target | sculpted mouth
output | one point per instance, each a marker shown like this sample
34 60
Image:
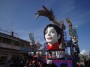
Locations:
49 38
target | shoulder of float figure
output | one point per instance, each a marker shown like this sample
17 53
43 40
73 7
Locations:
59 23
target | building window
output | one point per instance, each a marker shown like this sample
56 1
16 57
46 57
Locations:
17 43
6 40
0 39
2 60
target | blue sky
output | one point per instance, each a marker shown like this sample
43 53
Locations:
21 15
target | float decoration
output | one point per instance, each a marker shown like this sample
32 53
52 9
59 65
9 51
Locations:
55 44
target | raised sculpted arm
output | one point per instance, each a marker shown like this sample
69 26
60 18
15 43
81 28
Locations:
49 13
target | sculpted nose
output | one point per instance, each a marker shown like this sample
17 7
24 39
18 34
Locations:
48 34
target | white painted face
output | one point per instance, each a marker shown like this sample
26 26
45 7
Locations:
51 35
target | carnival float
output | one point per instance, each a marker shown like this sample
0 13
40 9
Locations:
56 45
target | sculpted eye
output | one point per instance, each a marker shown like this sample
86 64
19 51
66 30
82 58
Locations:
52 31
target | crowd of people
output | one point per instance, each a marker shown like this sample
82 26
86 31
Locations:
33 62
29 62
16 62
37 62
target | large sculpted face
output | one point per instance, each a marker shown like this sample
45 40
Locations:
51 35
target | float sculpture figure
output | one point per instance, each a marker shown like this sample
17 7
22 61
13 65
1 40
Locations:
49 13
54 36
74 42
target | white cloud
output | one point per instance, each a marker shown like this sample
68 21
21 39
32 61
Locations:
84 52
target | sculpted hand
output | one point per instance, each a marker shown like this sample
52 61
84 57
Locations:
45 12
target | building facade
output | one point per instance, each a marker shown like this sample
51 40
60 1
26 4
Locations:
12 47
